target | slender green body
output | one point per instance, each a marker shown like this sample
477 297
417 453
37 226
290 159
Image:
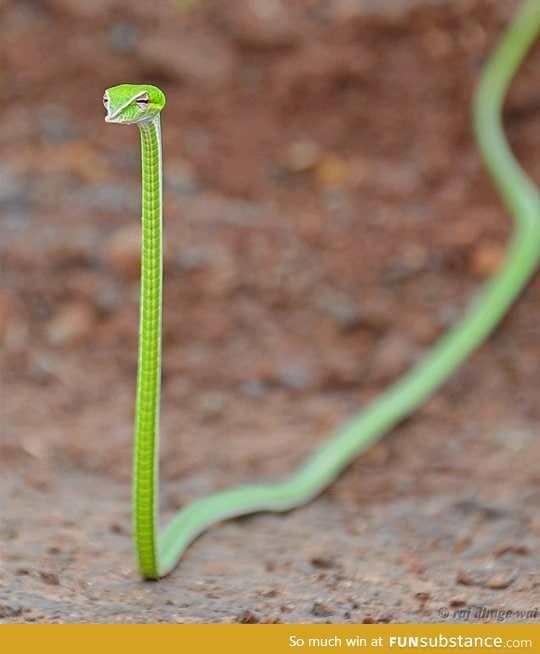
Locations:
145 490
141 104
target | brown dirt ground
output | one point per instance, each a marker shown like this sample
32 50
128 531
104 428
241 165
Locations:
327 218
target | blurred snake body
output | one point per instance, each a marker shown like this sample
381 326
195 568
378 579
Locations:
137 104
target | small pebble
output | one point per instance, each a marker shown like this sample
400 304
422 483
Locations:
49 578
287 608
421 327
115 528
322 562
302 155
486 259
108 300
272 592
414 565
222 274
510 548
189 259
321 609
377 310
247 617
8 611
272 619
212 404
412 260
500 580
295 377
331 172
343 310
466 579
254 388
73 324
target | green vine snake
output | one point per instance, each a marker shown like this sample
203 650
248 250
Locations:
142 105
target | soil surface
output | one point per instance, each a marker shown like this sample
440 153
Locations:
327 218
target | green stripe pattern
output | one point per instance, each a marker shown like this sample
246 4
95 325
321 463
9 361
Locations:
146 456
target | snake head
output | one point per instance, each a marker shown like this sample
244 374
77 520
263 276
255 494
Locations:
133 103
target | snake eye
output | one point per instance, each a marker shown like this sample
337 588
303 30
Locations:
105 99
142 101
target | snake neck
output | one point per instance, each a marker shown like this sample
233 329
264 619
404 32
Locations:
149 368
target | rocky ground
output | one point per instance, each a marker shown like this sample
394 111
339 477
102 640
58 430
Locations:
327 218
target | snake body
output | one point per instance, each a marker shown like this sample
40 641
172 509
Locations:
141 105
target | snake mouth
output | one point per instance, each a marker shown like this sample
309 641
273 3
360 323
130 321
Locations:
120 120
118 117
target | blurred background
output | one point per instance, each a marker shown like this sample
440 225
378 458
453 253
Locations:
327 218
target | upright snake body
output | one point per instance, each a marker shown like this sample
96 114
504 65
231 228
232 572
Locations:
141 105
